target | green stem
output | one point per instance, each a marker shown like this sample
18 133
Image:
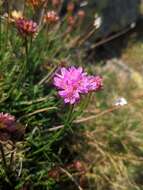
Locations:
22 72
68 121
69 117
83 105
25 64
56 136
26 50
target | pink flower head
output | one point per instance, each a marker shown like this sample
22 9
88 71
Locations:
26 27
95 83
7 121
73 82
51 17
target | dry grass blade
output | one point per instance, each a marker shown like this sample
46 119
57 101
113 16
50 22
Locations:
71 178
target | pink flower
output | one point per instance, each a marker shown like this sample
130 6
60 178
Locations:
7 121
26 27
73 82
51 17
95 83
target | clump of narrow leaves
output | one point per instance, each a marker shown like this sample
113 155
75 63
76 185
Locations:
36 44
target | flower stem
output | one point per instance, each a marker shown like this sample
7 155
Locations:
58 134
69 117
26 49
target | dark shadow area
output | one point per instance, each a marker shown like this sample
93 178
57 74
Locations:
115 47
122 22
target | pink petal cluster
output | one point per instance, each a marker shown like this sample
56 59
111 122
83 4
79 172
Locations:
7 121
95 83
26 27
51 17
73 82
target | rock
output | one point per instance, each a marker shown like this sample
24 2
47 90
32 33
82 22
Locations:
115 14
124 72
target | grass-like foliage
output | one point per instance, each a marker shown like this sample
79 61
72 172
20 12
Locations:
36 44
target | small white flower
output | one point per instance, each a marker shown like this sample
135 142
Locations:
120 102
98 21
133 25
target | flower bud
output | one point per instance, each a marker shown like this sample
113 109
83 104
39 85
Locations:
70 7
51 17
